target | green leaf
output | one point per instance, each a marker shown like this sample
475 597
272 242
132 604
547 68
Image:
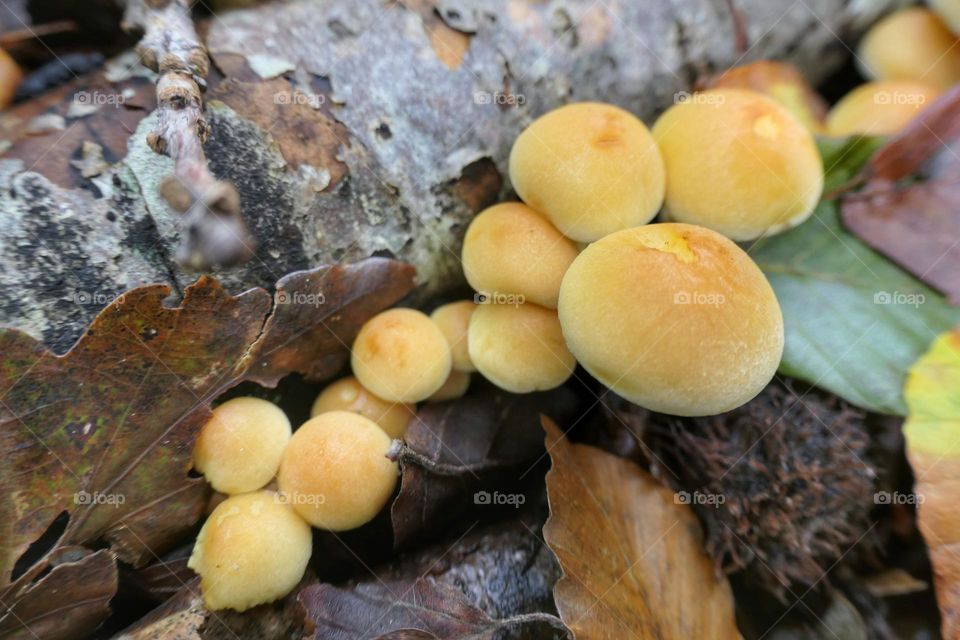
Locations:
855 322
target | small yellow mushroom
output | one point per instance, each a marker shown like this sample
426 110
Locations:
336 473
239 448
454 320
401 356
591 168
253 549
520 348
911 44
347 394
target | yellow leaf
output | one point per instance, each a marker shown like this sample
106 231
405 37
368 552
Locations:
932 432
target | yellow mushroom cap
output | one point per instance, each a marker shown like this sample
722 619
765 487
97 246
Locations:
591 168
401 356
738 163
880 108
347 394
336 473
511 249
455 386
519 348
454 320
673 317
239 448
949 12
252 549
911 44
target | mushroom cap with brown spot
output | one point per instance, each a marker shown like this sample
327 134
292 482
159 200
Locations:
253 549
401 356
590 168
673 317
738 163
336 473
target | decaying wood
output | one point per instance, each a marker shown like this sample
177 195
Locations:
214 232
353 128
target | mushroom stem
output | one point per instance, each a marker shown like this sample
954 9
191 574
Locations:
214 230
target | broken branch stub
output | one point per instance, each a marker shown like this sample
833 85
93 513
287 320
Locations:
214 231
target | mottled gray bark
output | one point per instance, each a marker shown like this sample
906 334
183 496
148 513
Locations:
357 127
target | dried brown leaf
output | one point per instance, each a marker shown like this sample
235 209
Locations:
909 207
632 557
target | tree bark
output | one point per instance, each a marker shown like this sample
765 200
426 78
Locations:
353 128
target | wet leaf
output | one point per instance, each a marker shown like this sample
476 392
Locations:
104 433
932 432
854 321
909 208
459 453
632 557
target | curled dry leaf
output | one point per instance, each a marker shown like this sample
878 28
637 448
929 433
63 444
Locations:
932 432
909 207
99 440
632 557
486 441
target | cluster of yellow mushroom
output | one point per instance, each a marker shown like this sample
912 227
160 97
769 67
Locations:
332 473
911 56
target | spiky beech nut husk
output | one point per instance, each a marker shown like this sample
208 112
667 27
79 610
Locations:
782 484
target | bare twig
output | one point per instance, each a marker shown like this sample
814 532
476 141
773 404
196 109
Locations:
214 230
